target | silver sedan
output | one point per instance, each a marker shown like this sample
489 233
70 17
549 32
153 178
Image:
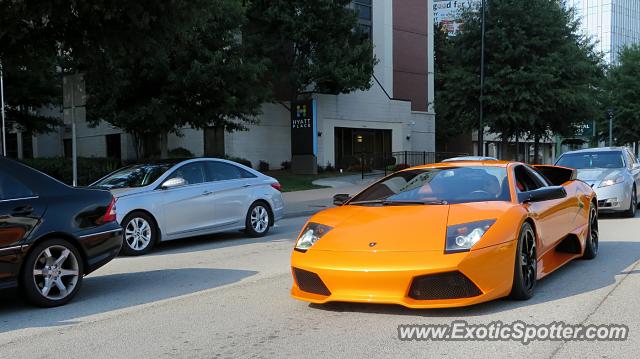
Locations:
613 172
162 201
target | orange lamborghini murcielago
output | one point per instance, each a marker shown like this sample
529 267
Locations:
447 234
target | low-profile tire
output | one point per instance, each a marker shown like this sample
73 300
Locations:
526 265
592 242
140 234
633 204
52 273
259 220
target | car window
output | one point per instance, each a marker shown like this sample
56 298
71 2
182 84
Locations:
526 180
600 159
192 173
541 178
11 188
632 159
221 171
450 184
133 176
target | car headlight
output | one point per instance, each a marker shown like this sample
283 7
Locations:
461 237
310 235
610 181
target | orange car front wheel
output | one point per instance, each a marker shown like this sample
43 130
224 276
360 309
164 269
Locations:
526 264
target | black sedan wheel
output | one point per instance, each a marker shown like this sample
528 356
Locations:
52 273
526 264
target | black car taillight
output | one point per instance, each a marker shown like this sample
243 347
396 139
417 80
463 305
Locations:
110 214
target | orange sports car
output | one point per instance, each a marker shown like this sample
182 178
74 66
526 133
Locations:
446 235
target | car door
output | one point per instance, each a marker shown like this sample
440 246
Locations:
188 209
550 216
634 167
232 187
20 211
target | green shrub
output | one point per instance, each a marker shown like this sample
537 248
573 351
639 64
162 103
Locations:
180 152
89 169
263 166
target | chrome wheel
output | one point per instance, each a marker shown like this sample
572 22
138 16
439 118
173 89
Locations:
56 272
138 233
259 219
528 259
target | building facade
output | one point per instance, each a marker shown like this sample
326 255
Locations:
613 23
396 114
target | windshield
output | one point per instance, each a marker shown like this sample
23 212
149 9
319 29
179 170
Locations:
581 160
133 176
440 185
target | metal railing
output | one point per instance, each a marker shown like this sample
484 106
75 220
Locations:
372 164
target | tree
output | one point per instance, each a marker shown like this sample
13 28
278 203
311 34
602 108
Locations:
541 74
29 60
622 96
182 64
313 46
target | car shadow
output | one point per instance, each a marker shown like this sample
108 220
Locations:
223 240
575 278
101 294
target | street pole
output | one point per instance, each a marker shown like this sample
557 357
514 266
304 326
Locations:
610 128
4 140
74 145
481 124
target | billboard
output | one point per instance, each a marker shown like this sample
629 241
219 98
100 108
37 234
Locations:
447 12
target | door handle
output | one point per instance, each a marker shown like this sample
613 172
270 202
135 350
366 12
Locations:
22 211
206 193
246 186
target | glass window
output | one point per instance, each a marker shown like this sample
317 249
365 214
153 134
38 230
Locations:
527 180
192 173
11 188
602 159
221 171
133 176
449 184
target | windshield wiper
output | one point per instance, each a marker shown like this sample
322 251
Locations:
390 202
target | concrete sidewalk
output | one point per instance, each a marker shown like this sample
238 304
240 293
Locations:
305 203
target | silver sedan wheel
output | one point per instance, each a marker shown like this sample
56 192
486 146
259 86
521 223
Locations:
56 272
137 234
259 219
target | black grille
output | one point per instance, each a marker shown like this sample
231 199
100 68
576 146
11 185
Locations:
310 282
448 285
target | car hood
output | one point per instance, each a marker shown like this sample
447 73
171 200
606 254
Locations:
124 192
596 175
397 228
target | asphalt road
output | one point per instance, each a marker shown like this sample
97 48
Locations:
226 296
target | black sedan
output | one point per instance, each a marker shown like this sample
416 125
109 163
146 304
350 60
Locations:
51 235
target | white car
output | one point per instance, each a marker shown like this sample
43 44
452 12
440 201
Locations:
166 200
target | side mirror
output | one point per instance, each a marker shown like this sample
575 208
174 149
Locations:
341 199
543 194
173 183
635 166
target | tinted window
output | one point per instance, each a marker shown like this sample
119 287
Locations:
221 171
133 176
11 188
602 159
192 173
450 184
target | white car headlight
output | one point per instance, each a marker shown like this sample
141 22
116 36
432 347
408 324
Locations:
610 181
310 235
461 237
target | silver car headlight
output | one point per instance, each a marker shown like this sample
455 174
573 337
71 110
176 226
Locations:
461 237
611 180
310 235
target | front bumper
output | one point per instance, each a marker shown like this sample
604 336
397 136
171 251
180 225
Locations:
614 198
387 277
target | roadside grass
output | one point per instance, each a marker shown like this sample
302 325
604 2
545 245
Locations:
291 182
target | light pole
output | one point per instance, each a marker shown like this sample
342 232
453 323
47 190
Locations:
4 141
481 122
